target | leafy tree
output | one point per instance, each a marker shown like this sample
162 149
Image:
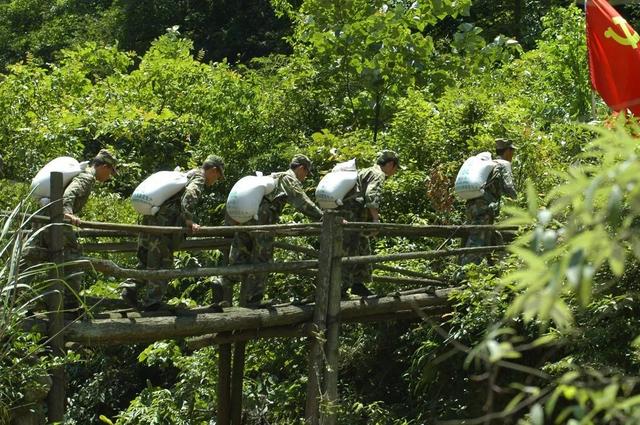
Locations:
367 53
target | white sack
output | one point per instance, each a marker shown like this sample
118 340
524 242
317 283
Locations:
345 166
244 199
69 167
156 189
334 186
473 176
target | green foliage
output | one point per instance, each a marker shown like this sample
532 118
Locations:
371 52
417 77
221 29
24 358
596 203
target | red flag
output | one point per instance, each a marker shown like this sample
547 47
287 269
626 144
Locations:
614 57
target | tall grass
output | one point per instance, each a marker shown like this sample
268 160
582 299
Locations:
24 359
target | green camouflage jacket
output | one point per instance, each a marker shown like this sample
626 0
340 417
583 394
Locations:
192 194
288 189
500 182
367 192
77 192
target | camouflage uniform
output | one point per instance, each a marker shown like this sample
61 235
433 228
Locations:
156 251
257 248
74 199
366 194
37 251
485 209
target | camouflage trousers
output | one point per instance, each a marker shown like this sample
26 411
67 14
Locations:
154 252
36 252
254 248
478 214
355 244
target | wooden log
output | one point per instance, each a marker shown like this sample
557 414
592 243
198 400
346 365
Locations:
406 280
329 416
302 330
225 338
391 229
54 301
427 290
130 331
188 245
237 381
404 272
237 372
110 268
223 390
296 248
296 229
92 233
110 247
364 259
315 359
277 229
384 229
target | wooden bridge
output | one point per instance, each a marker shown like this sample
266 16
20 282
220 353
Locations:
231 327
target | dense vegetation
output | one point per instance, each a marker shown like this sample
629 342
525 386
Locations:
545 336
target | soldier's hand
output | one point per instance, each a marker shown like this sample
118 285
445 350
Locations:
73 219
193 226
373 232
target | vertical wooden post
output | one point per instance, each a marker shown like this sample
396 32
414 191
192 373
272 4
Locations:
224 358
237 380
56 397
237 377
328 415
224 385
316 342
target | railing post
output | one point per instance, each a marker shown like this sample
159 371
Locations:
316 342
328 414
224 359
56 397
237 376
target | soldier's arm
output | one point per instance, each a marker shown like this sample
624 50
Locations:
299 199
190 199
79 187
508 187
373 194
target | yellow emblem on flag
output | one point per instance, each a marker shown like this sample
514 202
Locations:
628 39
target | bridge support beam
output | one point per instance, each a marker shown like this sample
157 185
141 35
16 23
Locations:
56 397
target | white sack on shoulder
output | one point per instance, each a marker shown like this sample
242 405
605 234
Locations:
334 186
473 176
41 183
156 189
244 199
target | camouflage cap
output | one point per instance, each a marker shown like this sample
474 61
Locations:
105 157
385 156
299 160
214 161
502 144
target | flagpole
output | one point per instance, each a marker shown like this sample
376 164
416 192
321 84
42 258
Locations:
591 89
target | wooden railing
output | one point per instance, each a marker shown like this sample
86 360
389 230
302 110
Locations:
231 329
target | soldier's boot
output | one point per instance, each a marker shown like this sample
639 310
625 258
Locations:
129 292
361 290
72 293
153 298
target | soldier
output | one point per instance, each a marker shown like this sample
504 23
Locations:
75 197
156 251
252 248
362 204
485 209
